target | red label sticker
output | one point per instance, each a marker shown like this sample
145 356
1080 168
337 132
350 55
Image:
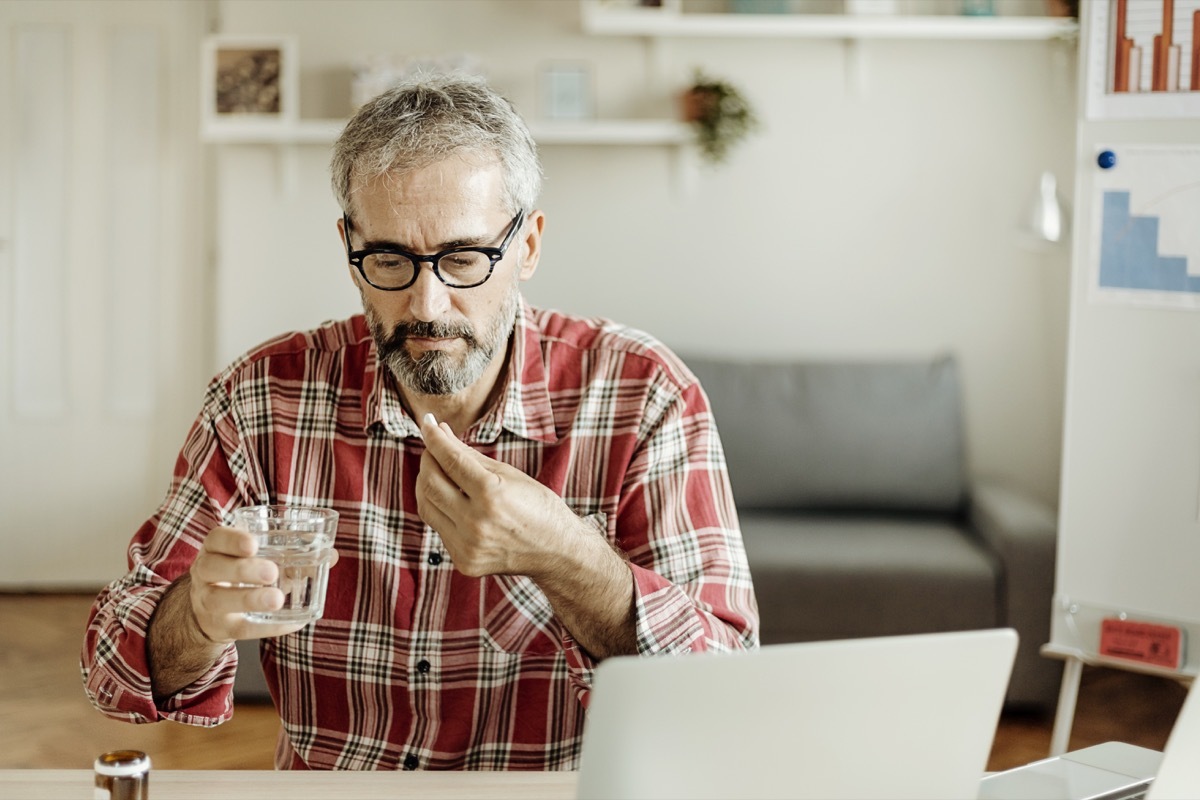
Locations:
1158 645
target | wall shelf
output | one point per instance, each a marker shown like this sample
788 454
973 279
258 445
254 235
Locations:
612 132
582 132
305 131
605 21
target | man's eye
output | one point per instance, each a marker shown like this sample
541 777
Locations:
460 260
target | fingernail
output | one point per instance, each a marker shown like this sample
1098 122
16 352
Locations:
431 419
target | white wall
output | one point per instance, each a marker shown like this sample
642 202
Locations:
104 308
862 223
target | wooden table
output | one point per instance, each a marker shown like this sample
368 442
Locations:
74 784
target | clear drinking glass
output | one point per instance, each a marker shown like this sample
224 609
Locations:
300 540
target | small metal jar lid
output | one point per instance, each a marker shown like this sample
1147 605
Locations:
122 763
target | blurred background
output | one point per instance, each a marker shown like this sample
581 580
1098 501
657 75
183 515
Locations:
881 208
876 211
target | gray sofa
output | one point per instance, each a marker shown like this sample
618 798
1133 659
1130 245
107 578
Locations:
859 517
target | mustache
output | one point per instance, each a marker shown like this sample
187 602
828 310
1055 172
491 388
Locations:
430 330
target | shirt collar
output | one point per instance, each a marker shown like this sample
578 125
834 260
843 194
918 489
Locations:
523 408
381 399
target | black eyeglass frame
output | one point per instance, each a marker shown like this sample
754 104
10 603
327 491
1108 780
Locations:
493 254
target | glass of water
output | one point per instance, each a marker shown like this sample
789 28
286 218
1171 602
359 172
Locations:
300 540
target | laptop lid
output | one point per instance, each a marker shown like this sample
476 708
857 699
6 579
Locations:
1179 773
905 716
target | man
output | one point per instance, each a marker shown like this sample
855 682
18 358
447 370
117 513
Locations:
521 493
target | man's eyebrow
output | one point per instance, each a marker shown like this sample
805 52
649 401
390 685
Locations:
388 244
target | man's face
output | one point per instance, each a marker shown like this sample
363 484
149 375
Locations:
435 339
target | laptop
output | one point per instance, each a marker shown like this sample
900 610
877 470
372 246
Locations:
902 716
1179 774
1109 771
1113 770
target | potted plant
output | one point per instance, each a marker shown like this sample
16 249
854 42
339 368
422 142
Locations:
720 114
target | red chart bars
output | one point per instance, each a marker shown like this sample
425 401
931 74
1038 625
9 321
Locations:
1147 54
1195 85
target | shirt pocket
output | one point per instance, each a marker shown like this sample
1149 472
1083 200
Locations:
516 617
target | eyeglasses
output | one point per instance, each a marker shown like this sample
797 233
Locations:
392 269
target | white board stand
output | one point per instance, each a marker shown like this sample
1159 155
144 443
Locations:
1064 717
1129 516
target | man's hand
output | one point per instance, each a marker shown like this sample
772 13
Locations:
495 519
203 612
227 581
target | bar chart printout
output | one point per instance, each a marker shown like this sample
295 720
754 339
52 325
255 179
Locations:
1155 46
1146 242
1144 58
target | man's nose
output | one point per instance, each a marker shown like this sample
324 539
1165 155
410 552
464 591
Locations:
428 297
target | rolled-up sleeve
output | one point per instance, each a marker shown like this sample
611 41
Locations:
678 523
678 527
116 670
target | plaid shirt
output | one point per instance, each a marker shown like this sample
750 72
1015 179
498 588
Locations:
415 664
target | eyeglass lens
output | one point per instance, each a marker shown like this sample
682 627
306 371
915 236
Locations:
464 268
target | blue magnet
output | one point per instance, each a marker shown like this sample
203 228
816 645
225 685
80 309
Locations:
1107 159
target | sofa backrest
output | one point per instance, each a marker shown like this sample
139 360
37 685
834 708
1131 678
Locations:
839 435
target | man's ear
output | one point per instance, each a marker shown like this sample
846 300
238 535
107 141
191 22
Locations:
341 229
531 252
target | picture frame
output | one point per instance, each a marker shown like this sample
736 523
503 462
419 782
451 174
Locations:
1126 75
249 84
566 91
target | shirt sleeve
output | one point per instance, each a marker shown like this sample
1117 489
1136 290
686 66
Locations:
114 662
678 524
678 527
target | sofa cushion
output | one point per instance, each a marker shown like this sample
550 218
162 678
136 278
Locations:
803 435
833 576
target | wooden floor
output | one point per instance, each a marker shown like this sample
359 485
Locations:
46 721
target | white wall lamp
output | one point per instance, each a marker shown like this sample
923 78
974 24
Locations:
1047 221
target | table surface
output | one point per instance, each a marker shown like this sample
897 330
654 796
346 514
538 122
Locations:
72 784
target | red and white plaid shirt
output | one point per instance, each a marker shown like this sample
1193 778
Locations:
415 664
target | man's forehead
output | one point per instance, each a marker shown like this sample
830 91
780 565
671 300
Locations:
460 180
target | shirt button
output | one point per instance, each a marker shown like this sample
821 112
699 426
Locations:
435 558
423 666
410 762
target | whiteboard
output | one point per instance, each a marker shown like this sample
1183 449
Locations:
1129 524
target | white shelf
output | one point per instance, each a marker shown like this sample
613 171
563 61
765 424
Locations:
641 22
612 132
590 132
306 131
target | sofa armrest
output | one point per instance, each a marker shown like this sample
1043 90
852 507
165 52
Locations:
1022 532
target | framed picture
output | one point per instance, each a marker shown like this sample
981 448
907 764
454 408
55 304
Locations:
1143 59
566 91
249 83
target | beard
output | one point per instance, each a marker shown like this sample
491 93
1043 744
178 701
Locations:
437 372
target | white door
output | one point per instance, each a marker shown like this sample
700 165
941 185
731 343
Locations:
103 311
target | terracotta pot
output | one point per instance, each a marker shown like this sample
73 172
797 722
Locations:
695 104
1062 8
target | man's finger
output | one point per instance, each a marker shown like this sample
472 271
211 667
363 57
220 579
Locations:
437 495
230 542
458 461
229 600
234 570
435 518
